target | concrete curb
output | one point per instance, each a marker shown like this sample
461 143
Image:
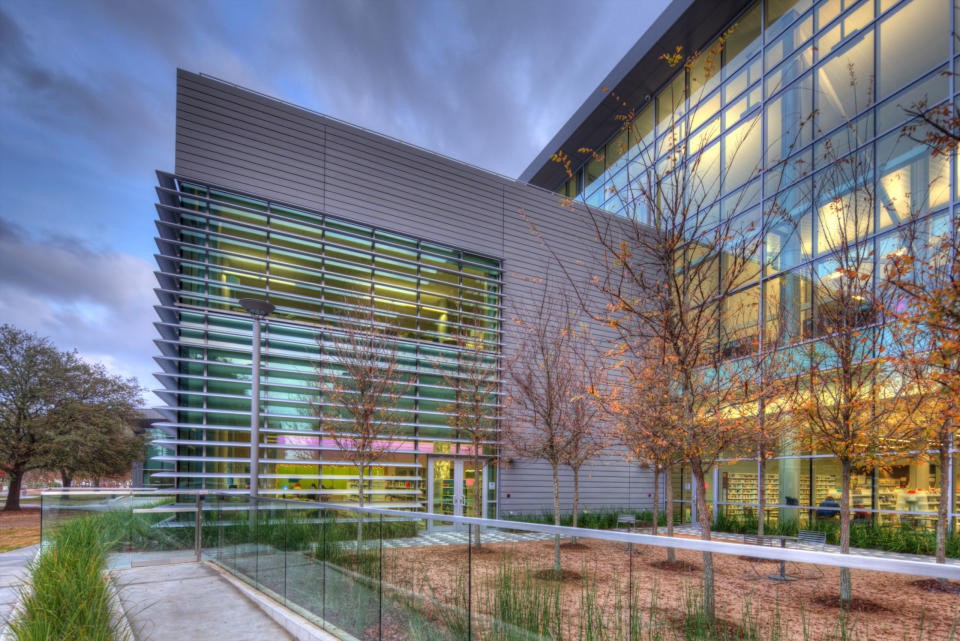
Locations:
119 612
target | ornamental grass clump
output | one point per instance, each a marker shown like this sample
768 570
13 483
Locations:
67 596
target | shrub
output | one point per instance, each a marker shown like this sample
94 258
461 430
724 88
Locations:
890 538
598 519
67 597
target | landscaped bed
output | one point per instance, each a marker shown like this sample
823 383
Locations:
593 594
67 596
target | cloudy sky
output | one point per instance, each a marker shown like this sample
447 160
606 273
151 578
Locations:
87 94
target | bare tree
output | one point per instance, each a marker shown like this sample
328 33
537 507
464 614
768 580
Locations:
474 411
586 435
542 383
360 383
767 391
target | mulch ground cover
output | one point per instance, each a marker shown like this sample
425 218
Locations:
19 529
887 606
932 585
853 605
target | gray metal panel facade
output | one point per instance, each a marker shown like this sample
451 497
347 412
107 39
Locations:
241 140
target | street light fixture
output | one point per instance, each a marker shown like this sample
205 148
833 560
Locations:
258 309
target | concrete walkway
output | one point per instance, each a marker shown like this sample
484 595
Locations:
191 601
13 572
690 530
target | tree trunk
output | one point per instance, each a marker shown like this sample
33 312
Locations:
761 493
13 491
943 503
846 588
556 518
761 473
576 497
96 482
478 495
668 480
656 499
66 478
360 514
703 518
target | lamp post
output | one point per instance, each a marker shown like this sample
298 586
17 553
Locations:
258 309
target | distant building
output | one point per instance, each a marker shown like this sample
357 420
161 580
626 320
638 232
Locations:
142 472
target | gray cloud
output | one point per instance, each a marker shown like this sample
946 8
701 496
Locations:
106 107
99 302
488 82
87 114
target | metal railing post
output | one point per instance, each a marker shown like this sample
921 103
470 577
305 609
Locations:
197 527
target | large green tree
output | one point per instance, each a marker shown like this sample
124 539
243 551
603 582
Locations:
91 426
60 413
31 370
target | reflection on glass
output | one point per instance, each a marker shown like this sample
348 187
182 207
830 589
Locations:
788 308
743 38
845 83
903 55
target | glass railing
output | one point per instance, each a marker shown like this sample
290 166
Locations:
143 527
385 575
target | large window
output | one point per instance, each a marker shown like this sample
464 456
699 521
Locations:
835 79
437 301
913 39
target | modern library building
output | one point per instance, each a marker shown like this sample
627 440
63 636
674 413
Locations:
323 219
780 87
269 200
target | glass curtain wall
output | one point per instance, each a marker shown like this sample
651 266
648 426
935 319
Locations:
218 247
785 88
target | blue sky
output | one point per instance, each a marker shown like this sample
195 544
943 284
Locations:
87 93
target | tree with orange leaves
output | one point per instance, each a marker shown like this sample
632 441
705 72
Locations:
678 274
848 393
924 275
923 278
642 401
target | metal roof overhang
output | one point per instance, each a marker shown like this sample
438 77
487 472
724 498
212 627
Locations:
686 23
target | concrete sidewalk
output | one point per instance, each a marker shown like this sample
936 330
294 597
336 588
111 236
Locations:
191 601
13 572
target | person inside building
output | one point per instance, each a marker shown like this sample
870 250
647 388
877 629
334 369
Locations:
829 507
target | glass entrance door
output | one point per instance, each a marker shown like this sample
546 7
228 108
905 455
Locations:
471 481
453 485
444 499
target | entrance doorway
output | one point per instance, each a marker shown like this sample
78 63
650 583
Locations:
452 487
